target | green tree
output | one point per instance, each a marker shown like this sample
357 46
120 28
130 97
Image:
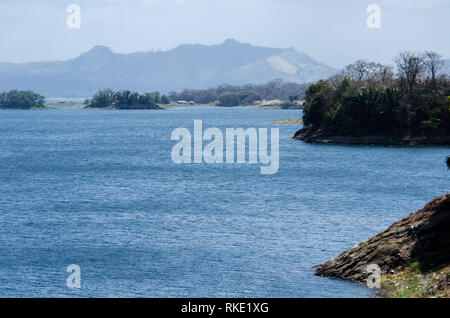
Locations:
21 100
101 99
165 100
366 103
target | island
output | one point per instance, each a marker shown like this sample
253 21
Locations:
367 104
109 99
16 99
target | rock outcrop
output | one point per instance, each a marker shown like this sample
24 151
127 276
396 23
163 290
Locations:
320 136
423 236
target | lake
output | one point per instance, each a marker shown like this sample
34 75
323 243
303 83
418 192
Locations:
98 188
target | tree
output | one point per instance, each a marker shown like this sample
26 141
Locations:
165 100
374 102
229 99
358 70
21 100
370 72
102 98
318 98
124 99
410 67
385 73
272 90
433 62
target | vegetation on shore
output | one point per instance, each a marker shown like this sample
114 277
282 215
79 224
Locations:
275 94
413 282
126 99
16 99
228 95
369 99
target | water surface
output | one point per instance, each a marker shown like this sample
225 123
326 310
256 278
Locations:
98 188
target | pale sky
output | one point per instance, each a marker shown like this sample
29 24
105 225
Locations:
331 31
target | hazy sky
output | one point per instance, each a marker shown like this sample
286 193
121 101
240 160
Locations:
331 31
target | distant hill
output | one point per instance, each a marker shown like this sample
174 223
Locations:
187 66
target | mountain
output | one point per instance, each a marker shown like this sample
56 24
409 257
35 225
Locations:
187 66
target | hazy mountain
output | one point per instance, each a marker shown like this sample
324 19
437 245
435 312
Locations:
187 66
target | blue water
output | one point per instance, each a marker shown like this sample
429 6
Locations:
98 188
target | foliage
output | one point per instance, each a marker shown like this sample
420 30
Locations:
236 99
21 100
363 101
165 100
125 100
228 95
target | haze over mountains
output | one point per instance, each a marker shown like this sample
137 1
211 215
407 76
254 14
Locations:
187 66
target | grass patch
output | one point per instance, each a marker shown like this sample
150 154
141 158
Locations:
412 282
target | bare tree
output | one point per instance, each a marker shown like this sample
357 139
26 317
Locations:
433 62
358 70
410 67
371 72
385 73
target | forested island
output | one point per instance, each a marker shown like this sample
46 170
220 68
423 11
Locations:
370 103
16 99
126 99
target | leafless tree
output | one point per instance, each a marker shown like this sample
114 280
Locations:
358 70
410 67
433 62
371 72
385 73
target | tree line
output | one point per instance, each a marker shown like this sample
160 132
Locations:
16 99
126 99
367 98
234 95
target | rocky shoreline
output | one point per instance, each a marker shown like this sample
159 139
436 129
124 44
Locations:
320 136
422 238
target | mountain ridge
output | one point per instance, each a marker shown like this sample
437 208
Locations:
194 66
